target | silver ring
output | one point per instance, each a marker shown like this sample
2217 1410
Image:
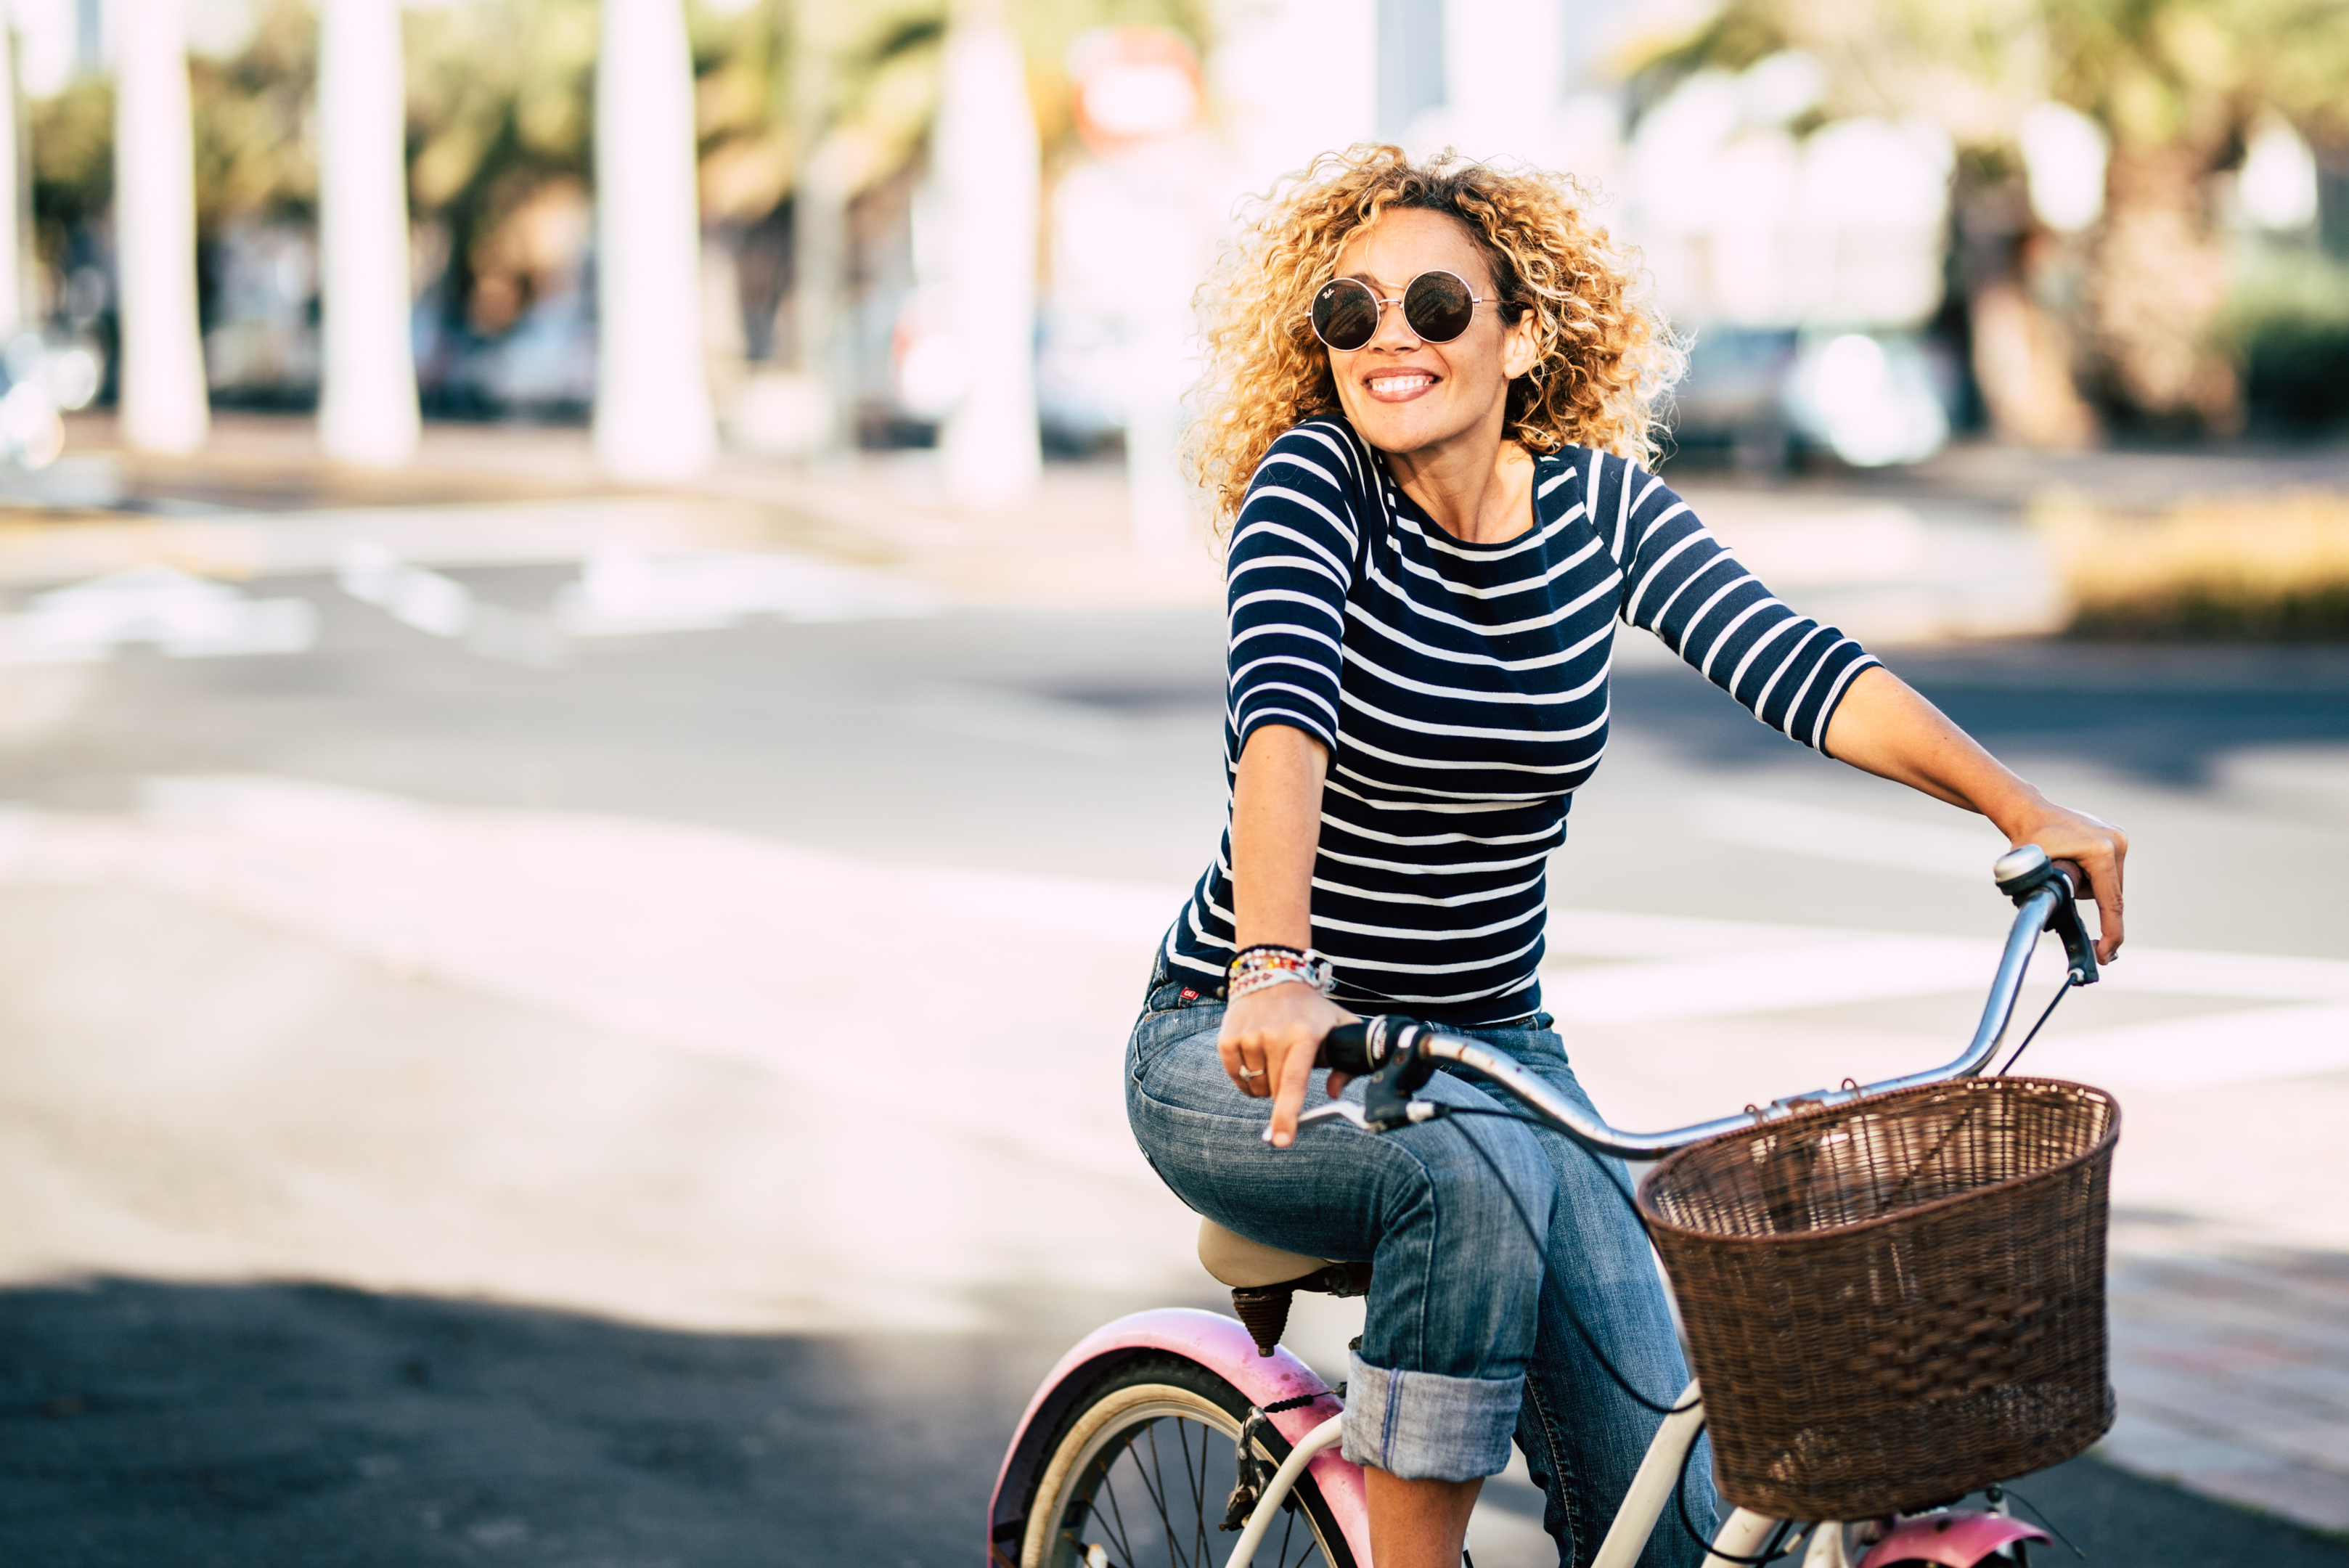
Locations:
1251 1072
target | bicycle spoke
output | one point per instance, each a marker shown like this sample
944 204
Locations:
1116 1534
1137 1458
1198 1489
1113 1524
1165 1495
1154 1484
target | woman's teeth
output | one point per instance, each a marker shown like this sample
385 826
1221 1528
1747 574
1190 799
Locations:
1412 382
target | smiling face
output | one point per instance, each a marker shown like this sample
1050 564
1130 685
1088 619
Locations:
1406 396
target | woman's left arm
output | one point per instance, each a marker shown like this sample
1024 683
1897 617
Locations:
1883 726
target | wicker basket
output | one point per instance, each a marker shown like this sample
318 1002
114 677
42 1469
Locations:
1894 1301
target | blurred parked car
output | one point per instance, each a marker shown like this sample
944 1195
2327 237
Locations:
1762 398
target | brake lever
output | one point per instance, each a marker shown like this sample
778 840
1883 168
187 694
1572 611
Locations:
2078 950
1414 1112
2022 871
1386 1091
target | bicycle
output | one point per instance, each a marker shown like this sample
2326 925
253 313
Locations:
1117 1459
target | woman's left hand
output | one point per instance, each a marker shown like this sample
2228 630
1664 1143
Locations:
2095 845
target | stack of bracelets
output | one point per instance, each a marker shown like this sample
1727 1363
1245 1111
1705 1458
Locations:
1268 964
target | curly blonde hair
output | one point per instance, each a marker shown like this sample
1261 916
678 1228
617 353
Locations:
1605 356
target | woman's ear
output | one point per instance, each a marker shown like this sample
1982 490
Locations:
1518 350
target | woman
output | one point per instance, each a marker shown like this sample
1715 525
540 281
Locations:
1430 386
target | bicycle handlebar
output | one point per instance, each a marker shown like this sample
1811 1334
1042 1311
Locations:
1398 1054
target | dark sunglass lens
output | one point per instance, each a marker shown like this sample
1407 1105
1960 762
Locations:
1345 314
1438 306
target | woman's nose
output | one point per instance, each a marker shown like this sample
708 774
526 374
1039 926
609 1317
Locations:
1393 331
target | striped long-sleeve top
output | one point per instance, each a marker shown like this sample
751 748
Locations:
1461 689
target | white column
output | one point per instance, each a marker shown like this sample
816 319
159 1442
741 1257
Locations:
652 393
1505 75
367 404
12 236
1275 114
164 404
984 162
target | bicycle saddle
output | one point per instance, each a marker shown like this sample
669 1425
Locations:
1243 1264
1264 1280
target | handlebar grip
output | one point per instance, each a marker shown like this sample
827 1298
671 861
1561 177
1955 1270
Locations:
2077 875
1347 1048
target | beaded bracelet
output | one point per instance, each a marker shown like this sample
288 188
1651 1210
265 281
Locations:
1268 964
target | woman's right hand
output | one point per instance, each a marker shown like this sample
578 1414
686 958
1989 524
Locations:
1269 1040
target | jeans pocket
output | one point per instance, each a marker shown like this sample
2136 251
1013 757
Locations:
1155 1032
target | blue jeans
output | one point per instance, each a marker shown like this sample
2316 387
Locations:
1462 1347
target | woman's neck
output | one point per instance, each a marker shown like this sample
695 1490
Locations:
1479 490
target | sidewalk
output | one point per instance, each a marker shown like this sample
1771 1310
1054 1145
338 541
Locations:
258 501
2233 1360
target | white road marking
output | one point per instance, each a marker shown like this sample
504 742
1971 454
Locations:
1751 968
1847 967
2204 1053
417 597
440 606
1848 836
623 591
184 616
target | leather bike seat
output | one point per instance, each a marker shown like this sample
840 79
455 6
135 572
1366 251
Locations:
1244 1264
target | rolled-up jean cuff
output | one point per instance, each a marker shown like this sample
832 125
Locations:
1422 1426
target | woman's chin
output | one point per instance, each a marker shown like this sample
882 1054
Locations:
1408 427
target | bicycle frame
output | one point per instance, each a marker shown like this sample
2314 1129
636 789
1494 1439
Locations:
1643 1505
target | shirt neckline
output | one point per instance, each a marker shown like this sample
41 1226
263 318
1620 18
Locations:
1400 499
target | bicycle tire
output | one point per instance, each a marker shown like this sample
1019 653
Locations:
1111 1444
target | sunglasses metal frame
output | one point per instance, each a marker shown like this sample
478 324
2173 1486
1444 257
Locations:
1474 299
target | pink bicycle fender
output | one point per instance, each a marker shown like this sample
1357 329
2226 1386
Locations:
1957 1540
1220 1345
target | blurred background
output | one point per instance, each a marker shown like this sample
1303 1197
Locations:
607 672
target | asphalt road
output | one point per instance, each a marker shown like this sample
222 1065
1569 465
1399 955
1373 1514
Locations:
158 1414
296 1425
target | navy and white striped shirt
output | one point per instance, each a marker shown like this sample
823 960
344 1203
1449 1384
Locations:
1462 691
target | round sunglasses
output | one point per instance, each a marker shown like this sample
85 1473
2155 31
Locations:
1437 306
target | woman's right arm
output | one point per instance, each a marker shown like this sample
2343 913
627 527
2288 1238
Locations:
1276 828
1290 565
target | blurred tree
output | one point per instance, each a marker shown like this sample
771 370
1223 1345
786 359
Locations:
499 125
2172 83
255 157
499 157
72 137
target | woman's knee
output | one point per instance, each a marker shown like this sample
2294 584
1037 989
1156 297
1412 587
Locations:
1490 1178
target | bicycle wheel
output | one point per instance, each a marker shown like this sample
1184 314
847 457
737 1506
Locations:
1140 1471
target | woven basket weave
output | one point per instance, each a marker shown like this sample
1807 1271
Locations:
1894 1301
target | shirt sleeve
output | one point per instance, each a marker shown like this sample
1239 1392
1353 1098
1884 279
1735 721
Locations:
1786 669
1290 566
